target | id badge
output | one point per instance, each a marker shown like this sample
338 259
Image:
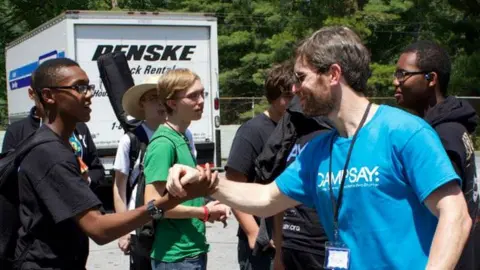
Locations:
337 256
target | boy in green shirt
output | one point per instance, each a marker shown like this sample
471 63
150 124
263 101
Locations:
180 241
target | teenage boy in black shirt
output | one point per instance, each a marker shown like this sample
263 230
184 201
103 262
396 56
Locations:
421 83
247 145
58 211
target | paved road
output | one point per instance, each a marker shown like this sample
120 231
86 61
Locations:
222 256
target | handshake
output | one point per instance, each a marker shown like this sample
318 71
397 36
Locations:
187 182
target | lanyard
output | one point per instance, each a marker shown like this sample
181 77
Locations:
336 204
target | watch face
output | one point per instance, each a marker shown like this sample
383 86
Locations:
158 214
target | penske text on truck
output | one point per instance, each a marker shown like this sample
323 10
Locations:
153 44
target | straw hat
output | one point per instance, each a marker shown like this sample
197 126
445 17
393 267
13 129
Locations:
131 98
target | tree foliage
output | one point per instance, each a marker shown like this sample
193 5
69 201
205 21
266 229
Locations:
254 34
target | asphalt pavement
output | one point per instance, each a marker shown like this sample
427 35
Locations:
222 255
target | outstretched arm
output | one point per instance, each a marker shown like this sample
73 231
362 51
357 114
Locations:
256 199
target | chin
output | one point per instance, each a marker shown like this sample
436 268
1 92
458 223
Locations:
84 119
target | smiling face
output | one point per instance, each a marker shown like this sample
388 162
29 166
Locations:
71 95
313 90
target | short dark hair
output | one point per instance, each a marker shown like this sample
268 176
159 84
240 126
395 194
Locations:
338 45
46 73
280 80
431 57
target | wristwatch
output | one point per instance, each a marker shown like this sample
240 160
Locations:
155 212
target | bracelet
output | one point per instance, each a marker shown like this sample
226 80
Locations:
206 214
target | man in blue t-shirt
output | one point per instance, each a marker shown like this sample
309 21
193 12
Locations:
382 184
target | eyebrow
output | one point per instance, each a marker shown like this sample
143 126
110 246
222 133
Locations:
80 81
196 91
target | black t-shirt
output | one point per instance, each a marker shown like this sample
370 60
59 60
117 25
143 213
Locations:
51 193
246 146
301 225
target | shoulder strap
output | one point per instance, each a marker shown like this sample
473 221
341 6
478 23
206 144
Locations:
133 152
27 145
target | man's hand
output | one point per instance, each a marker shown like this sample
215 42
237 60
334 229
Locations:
187 181
124 244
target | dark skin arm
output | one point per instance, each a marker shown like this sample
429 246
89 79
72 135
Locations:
106 228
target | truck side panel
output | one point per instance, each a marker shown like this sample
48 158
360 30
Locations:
151 50
23 58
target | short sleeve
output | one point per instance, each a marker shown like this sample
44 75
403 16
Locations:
65 193
242 156
296 181
159 158
122 159
426 163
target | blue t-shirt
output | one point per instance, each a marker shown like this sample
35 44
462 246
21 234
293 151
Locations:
396 163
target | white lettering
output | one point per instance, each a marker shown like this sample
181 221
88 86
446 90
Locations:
353 175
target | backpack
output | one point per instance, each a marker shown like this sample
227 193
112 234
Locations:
9 201
138 145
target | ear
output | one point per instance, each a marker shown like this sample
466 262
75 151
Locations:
31 93
172 104
432 79
48 96
335 74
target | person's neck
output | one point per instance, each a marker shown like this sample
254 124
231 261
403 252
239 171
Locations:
62 128
177 124
348 113
153 124
423 109
273 114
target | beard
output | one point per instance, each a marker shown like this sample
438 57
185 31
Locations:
318 105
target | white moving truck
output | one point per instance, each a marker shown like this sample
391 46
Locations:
153 43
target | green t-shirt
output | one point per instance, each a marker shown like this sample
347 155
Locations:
175 239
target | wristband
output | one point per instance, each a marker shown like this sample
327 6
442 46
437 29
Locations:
206 214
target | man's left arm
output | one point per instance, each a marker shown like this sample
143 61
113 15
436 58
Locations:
454 223
436 184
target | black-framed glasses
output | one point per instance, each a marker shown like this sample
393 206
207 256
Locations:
402 75
80 88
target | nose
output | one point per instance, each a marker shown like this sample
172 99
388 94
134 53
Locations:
296 88
396 82
89 94
200 99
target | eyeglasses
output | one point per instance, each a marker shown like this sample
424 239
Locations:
80 88
402 75
194 96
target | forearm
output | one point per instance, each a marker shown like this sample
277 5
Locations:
247 223
106 228
278 230
449 240
119 200
182 212
250 198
